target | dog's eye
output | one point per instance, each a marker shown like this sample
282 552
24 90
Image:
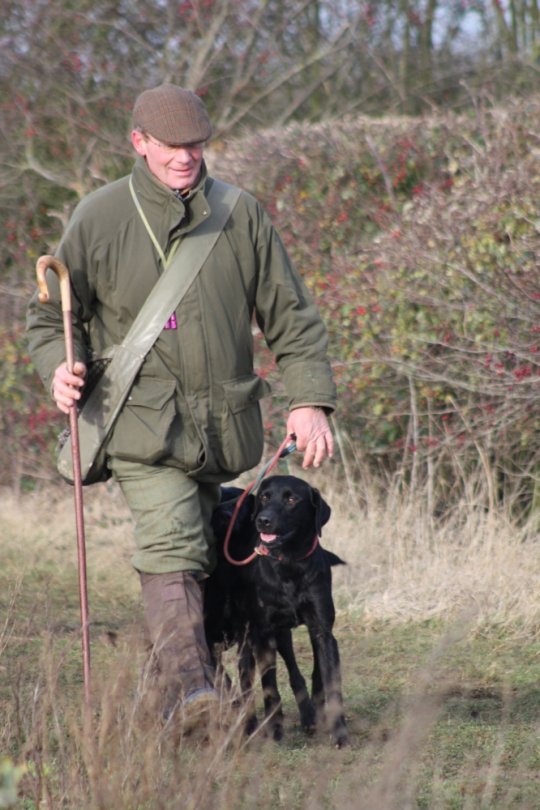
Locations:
291 500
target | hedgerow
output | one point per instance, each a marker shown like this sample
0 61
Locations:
419 241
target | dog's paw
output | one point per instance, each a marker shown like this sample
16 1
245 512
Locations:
277 732
308 718
342 741
251 725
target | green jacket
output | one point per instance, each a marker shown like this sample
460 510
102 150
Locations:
195 403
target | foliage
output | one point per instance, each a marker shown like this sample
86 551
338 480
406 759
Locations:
10 776
417 236
418 240
69 73
29 424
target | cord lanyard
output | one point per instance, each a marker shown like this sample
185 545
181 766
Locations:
164 259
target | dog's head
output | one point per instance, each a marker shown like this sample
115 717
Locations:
289 513
242 531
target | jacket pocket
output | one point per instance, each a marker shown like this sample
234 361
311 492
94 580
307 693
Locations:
142 430
241 423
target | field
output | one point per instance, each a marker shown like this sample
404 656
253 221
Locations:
438 623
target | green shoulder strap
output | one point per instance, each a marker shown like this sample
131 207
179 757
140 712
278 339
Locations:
110 392
181 271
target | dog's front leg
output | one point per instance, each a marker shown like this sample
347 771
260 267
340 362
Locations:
327 693
222 681
306 708
246 673
267 661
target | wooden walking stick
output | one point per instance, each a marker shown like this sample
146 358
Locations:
43 263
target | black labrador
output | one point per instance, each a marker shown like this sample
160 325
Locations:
227 606
287 583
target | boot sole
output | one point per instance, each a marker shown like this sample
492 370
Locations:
199 712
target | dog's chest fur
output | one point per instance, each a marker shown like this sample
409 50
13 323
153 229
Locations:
282 597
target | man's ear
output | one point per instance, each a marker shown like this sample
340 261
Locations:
138 142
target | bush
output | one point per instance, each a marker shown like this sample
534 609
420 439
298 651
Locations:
29 421
418 240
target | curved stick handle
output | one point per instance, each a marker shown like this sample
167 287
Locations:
42 265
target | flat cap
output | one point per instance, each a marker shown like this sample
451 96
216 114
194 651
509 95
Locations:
172 115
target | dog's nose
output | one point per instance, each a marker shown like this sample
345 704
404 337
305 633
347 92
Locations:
263 523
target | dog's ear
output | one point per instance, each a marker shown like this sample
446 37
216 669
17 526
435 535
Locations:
244 516
322 510
255 505
226 508
250 504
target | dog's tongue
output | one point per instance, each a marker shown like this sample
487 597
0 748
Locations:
268 538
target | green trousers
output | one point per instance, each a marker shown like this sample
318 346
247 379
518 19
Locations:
172 515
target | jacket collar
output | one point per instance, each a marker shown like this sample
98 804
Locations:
169 215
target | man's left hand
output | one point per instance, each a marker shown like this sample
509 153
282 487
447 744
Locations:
313 435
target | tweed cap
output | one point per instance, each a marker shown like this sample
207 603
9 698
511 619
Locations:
172 115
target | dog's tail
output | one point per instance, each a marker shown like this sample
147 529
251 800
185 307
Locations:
333 559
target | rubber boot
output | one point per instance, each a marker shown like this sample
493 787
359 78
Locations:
173 608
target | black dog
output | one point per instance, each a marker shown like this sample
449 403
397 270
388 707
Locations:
287 583
227 606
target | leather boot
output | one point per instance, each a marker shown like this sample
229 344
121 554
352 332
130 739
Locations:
173 607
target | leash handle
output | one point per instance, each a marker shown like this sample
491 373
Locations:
290 448
287 446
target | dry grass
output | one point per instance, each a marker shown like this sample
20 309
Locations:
404 566
471 575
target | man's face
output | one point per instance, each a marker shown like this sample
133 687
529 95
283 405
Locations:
178 167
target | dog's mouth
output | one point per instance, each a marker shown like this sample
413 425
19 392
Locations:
268 538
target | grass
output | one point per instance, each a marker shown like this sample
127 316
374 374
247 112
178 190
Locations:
439 631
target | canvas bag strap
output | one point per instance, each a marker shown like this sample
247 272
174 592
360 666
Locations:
180 268
110 392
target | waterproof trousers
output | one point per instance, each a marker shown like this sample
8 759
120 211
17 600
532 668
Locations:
172 515
175 553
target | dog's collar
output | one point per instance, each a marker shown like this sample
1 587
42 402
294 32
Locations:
263 550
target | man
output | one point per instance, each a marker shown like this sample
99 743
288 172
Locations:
192 419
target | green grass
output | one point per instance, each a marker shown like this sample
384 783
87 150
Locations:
460 732
443 711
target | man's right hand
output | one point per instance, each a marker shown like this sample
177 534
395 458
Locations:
66 388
